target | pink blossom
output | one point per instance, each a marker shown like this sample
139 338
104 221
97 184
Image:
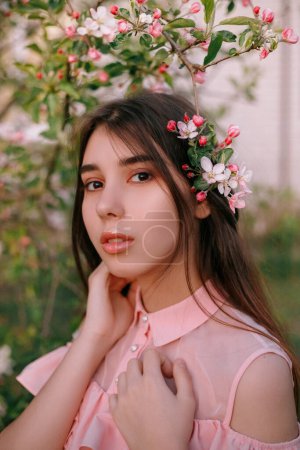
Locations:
198 120
267 16
288 35
157 13
243 177
141 2
245 2
201 196
155 29
237 200
233 131
185 167
225 186
264 53
94 54
171 125
103 76
72 58
70 31
123 26
195 8
199 77
205 44
213 173
187 130
228 140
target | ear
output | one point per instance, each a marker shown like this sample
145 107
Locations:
202 210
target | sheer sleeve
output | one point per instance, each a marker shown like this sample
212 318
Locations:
36 374
214 435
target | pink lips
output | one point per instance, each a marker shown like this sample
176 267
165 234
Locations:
118 246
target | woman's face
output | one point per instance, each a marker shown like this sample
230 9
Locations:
131 199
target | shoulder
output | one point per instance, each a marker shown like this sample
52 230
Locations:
264 406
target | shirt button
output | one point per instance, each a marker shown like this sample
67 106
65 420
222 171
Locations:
134 347
145 318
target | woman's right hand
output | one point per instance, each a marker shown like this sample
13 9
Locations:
108 312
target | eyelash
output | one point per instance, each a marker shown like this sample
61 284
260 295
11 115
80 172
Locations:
86 186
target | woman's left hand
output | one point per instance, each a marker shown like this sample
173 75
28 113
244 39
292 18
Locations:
148 414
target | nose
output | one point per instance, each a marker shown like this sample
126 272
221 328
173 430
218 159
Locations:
110 203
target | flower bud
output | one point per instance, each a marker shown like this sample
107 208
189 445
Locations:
267 16
264 53
288 35
202 141
39 75
186 118
193 189
185 167
155 29
94 54
114 9
228 140
60 51
171 126
201 196
233 131
199 77
157 13
141 2
60 74
72 59
256 10
75 15
198 120
190 175
103 76
195 8
233 167
163 68
70 31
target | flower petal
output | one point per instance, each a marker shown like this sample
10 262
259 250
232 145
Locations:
206 164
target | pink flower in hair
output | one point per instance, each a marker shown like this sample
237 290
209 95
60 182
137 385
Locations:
267 16
195 8
237 200
70 31
199 77
201 196
187 130
288 35
264 53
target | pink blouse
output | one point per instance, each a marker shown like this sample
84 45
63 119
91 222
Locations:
216 356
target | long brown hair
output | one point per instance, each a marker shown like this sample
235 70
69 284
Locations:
140 122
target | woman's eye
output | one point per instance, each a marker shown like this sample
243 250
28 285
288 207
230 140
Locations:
143 176
92 185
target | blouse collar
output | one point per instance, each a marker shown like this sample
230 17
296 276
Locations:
173 322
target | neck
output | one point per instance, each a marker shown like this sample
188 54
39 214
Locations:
163 290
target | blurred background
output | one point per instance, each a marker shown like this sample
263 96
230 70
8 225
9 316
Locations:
42 301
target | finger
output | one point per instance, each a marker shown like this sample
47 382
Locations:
134 370
156 363
113 402
183 379
122 383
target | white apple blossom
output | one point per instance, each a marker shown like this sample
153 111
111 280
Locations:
90 27
213 173
243 176
225 186
145 18
187 131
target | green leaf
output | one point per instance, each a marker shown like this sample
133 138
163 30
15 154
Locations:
239 20
161 55
69 89
146 40
230 6
232 52
213 49
38 4
225 155
209 6
227 36
124 12
114 69
200 35
201 184
168 79
35 48
180 23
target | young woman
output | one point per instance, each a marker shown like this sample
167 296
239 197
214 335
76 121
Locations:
178 348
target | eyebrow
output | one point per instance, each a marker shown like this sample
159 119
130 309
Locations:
122 163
